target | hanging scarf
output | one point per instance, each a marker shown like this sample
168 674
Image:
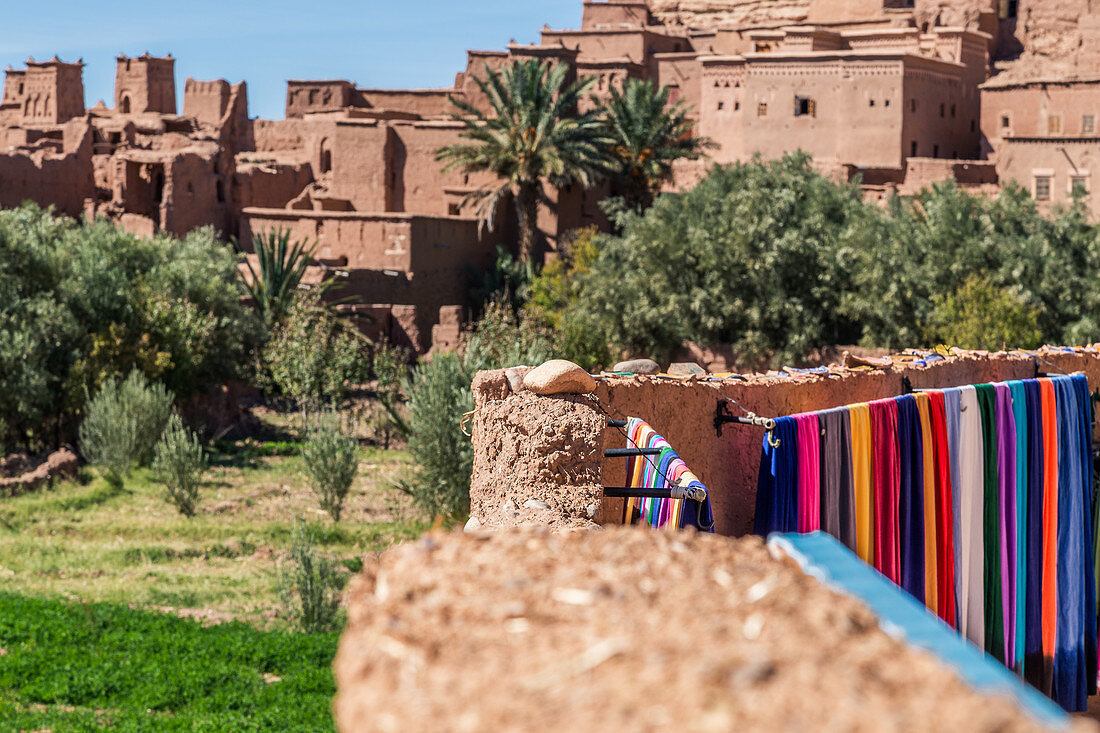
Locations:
1089 539
952 416
809 467
1006 490
1050 533
991 531
1019 600
1033 642
885 487
931 587
862 471
910 496
971 552
1070 673
776 487
838 517
945 520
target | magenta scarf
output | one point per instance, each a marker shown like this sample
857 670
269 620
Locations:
809 472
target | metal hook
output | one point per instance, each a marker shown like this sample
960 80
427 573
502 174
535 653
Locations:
772 440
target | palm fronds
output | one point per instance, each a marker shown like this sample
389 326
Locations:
281 264
533 134
649 135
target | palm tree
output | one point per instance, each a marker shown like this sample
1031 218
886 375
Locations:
282 264
649 134
534 134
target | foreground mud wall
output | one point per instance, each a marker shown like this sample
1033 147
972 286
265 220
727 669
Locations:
629 630
683 410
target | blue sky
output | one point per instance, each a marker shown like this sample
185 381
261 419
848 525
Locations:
403 43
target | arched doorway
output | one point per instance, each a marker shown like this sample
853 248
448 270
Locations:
124 104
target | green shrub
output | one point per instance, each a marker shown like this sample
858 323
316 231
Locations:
982 316
390 369
313 356
179 463
553 305
500 338
331 460
84 301
308 583
439 394
753 256
123 424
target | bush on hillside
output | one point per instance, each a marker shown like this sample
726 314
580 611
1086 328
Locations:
754 256
179 463
84 302
314 356
331 460
439 394
776 260
931 246
123 424
983 316
309 583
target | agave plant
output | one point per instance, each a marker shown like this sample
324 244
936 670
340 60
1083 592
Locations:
282 264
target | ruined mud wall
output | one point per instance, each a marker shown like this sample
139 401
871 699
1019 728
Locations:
683 410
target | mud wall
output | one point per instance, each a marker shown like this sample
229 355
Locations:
683 410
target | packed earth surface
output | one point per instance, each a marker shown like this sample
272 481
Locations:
527 629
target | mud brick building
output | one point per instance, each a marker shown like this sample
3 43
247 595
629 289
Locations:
901 93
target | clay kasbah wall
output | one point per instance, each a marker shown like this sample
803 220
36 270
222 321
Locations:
550 449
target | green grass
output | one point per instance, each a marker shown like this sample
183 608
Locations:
70 666
84 540
117 612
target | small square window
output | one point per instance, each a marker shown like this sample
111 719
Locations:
762 109
952 111
913 148
935 151
941 109
1006 121
1042 188
886 103
721 105
1079 186
804 106
736 106
1054 125
912 105
872 104
1088 124
973 124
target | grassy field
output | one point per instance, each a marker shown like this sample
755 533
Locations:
68 666
116 611
86 541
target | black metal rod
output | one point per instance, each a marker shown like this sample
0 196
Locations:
723 416
645 492
628 452
616 423
738 419
692 493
